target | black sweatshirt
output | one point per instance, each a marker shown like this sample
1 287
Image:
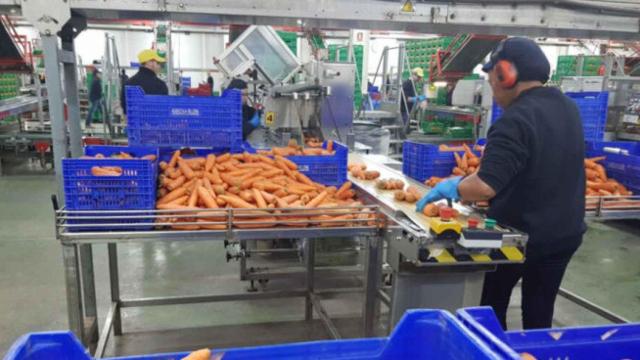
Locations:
148 81
534 161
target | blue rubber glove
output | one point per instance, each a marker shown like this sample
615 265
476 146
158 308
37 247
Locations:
446 189
255 120
421 98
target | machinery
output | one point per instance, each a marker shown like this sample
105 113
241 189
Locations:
314 98
437 262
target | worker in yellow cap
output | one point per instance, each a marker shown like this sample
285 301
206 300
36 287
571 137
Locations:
409 98
147 76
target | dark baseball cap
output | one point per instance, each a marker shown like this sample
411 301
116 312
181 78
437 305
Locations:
526 55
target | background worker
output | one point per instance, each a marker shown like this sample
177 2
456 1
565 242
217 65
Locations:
409 98
147 76
95 97
250 116
532 173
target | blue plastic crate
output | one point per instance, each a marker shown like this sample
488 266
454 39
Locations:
178 121
420 334
591 342
135 189
330 170
422 161
624 168
593 111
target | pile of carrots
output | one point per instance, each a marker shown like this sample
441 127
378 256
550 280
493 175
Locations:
359 171
256 184
598 184
293 149
113 170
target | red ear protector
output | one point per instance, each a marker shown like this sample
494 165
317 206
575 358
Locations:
505 70
507 74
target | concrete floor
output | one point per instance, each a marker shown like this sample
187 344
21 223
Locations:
605 270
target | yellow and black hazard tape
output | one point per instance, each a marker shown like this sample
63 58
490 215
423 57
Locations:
448 256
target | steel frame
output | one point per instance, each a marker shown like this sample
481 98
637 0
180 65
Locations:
80 283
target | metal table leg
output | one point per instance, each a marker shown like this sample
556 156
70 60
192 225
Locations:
74 292
309 253
114 281
373 273
89 292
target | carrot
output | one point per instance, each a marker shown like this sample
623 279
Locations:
463 163
236 202
272 173
266 160
312 152
290 164
279 193
304 179
161 192
211 160
281 203
346 186
260 201
250 174
269 198
468 152
348 194
330 145
604 192
181 191
290 198
186 227
173 173
193 198
318 199
162 165
207 183
474 162
222 158
591 174
99 171
247 195
459 172
211 227
259 223
186 169
267 186
182 200
601 172
171 206
174 159
149 157
232 181
458 159
590 164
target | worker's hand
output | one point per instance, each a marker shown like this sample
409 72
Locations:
421 98
255 120
446 189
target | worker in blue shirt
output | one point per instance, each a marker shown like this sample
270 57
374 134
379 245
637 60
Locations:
95 97
532 173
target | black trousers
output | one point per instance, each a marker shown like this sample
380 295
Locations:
541 278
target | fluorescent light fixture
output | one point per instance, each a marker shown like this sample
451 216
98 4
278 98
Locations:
440 84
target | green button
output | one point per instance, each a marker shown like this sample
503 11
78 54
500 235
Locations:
489 224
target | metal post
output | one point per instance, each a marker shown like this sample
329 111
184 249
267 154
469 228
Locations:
114 280
385 68
309 253
373 274
73 104
56 111
89 288
74 292
401 98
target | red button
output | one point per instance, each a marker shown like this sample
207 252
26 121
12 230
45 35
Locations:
472 223
446 213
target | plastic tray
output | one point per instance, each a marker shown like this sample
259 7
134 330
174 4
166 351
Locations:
592 342
135 189
593 111
420 334
177 121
